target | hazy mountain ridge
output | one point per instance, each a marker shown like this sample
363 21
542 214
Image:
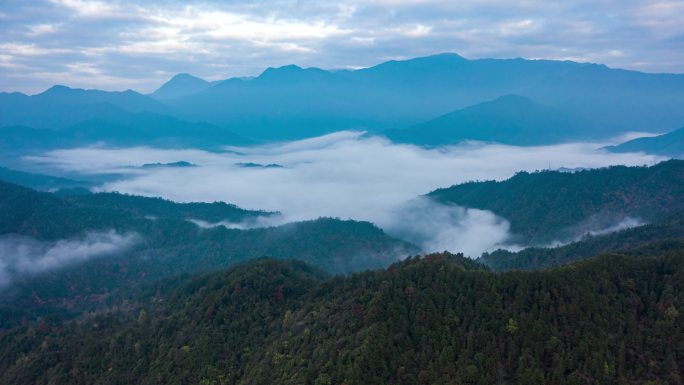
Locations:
510 119
292 102
153 130
180 85
122 129
670 144
40 181
402 93
61 106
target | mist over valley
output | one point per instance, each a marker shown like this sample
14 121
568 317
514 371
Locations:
341 192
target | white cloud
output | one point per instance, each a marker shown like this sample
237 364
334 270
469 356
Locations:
624 224
215 40
91 8
419 30
42 29
22 49
345 175
436 227
22 256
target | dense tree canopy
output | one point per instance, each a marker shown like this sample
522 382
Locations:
169 245
438 319
629 241
548 206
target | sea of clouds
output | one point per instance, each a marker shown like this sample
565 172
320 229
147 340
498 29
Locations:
348 175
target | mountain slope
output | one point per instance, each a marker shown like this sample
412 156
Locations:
549 206
120 129
180 85
509 119
40 181
152 129
423 321
627 241
167 243
670 144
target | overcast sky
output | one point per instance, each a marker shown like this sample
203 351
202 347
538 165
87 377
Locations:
117 45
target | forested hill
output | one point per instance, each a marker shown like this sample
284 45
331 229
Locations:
40 181
43 215
432 320
652 236
166 244
548 206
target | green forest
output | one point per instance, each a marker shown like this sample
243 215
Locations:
547 206
326 302
169 245
627 241
438 319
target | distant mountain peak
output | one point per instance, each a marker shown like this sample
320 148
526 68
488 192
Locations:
445 55
58 89
426 64
184 76
440 57
179 85
290 72
289 67
512 100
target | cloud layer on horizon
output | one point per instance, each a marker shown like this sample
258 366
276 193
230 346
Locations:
345 175
126 44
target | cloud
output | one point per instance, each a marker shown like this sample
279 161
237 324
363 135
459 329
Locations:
436 227
22 256
624 224
249 223
346 175
140 44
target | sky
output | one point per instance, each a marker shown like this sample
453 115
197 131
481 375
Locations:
117 45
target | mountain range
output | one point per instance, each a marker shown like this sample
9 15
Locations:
397 94
586 286
291 102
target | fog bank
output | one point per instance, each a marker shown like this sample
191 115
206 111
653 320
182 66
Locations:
346 175
23 256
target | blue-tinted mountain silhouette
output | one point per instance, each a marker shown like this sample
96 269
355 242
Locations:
509 119
292 102
180 85
670 144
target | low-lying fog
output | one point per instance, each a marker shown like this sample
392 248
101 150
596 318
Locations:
345 175
23 256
